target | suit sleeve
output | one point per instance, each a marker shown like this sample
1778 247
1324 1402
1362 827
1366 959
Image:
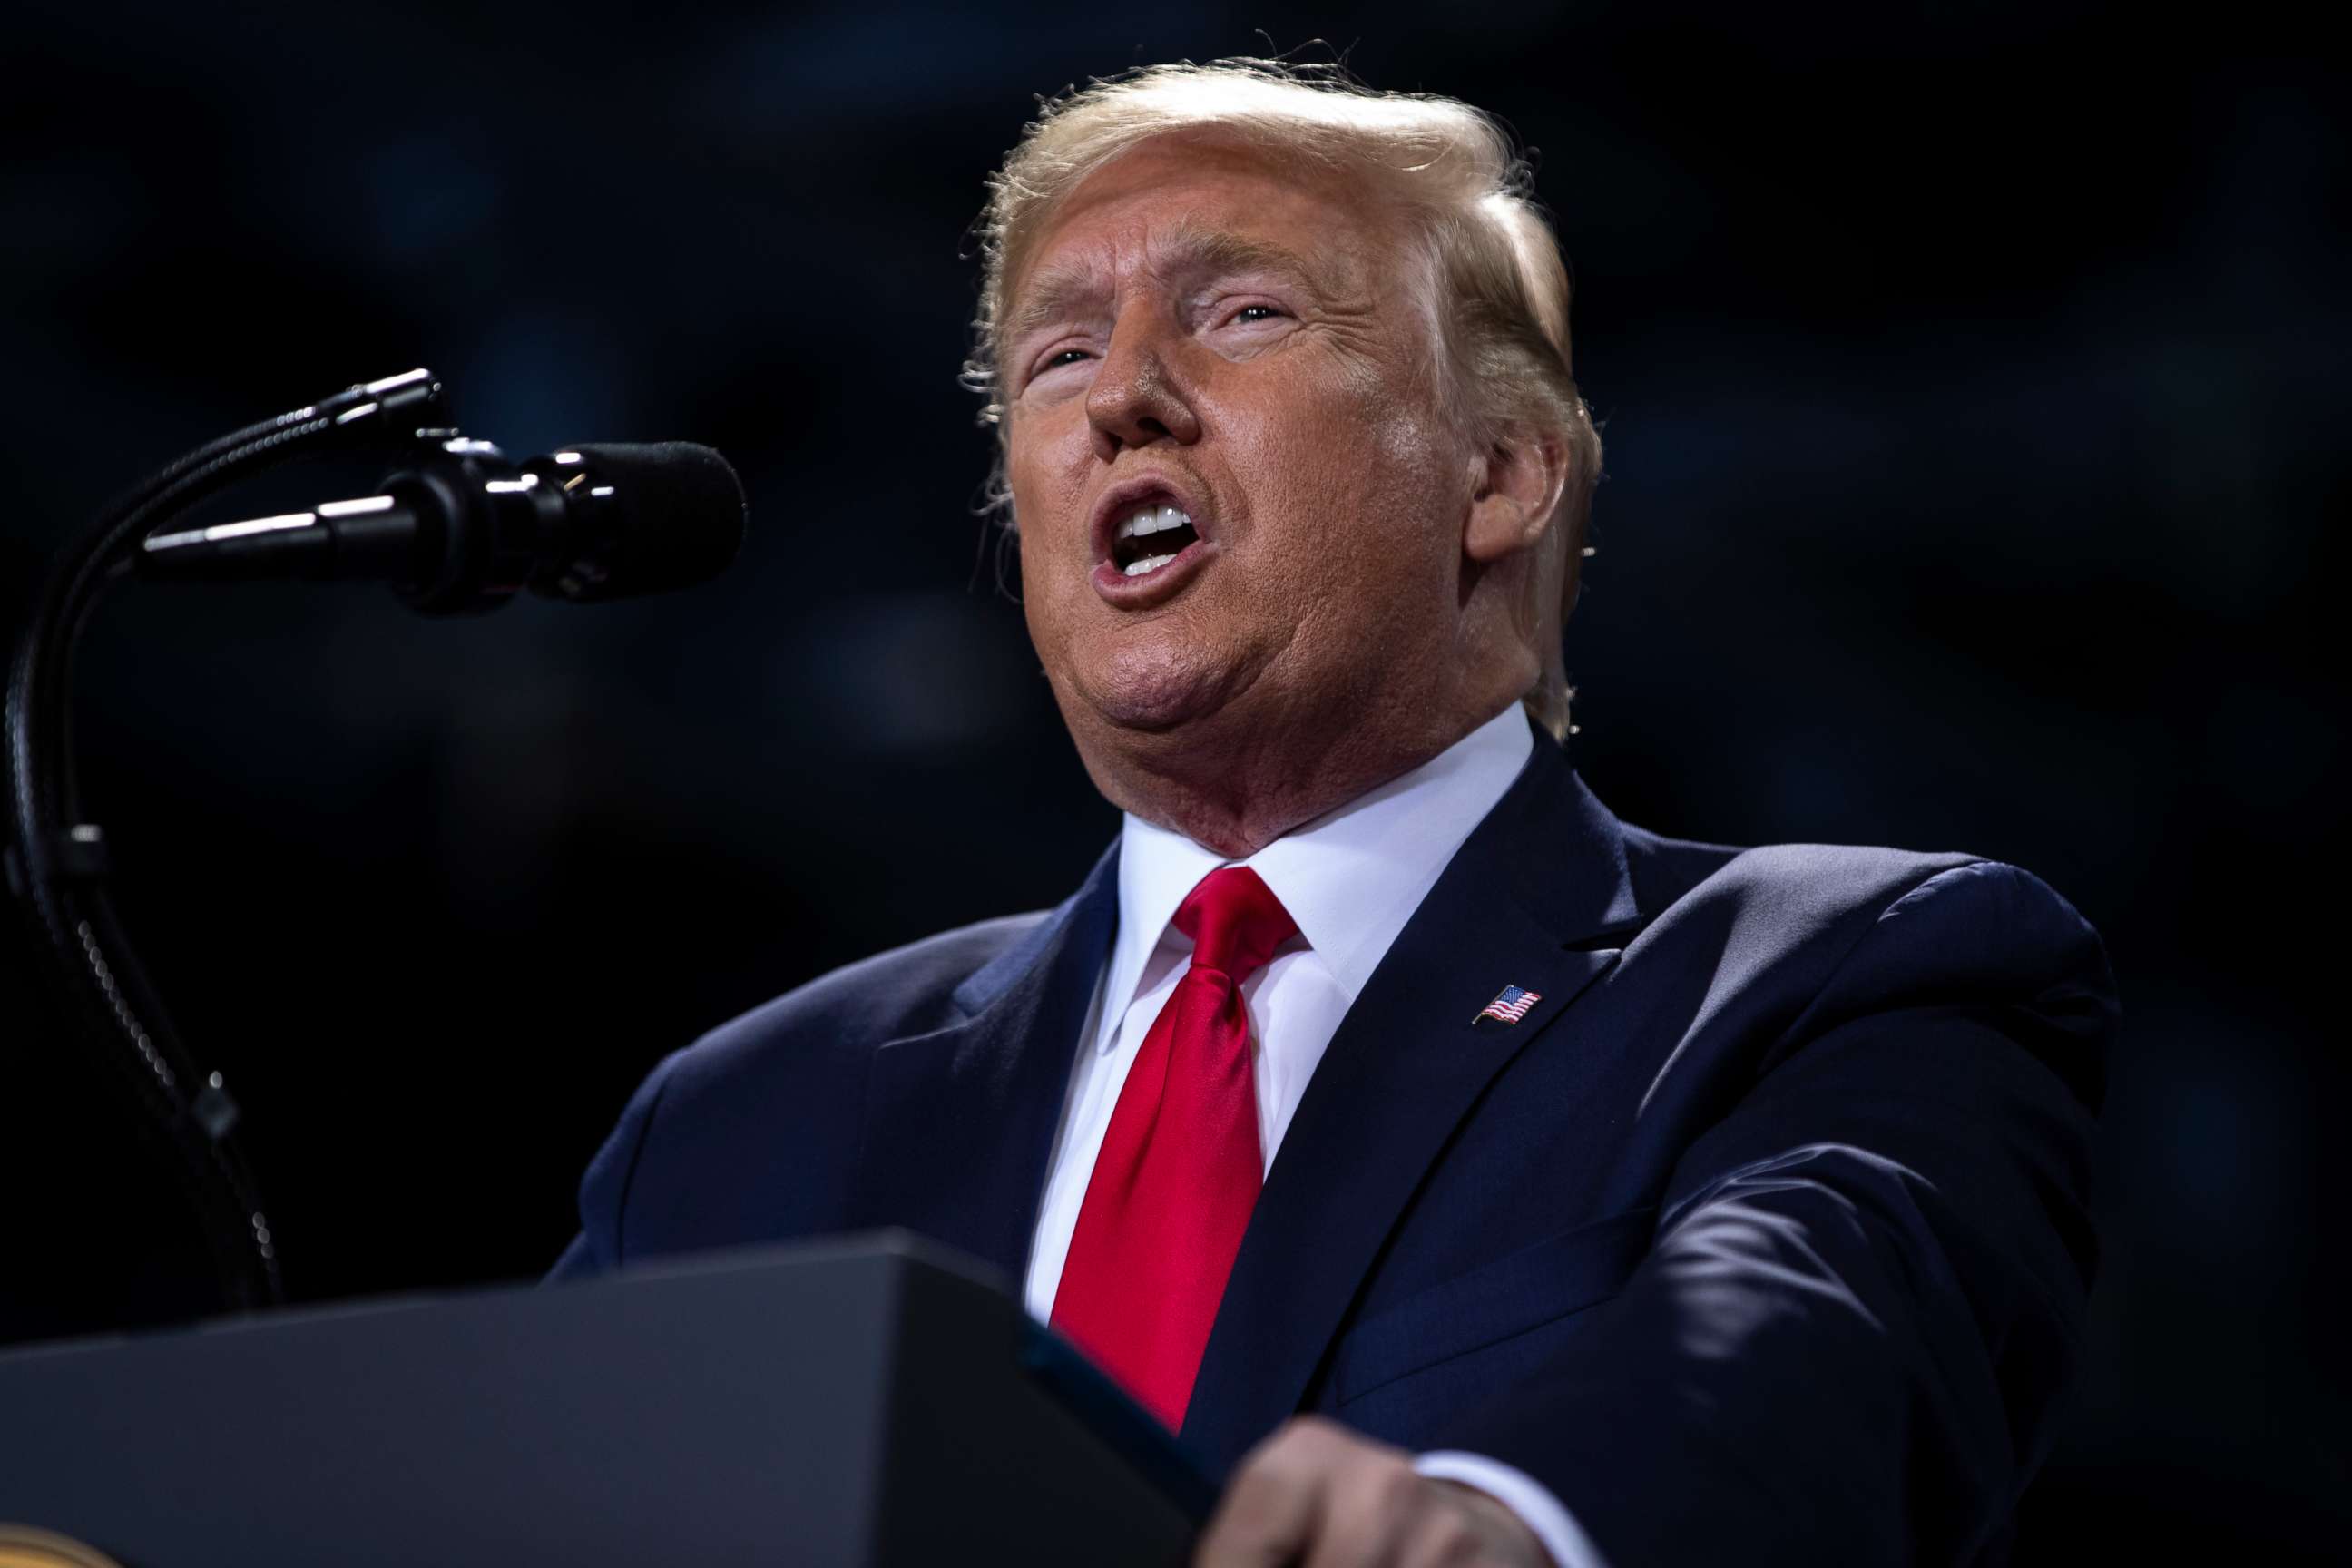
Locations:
604 1187
1867 1284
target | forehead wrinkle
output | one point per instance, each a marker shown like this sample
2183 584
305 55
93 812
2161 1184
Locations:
1191 249
1184 253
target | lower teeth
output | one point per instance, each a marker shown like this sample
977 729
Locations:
1149 564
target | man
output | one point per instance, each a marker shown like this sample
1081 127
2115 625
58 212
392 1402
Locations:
1600 1198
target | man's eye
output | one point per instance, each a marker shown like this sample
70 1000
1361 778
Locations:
1258 313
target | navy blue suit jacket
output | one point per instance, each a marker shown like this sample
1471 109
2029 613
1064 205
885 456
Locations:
1762 1236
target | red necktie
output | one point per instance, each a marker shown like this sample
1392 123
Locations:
1180 1167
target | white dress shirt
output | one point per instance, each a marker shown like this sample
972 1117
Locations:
1350 879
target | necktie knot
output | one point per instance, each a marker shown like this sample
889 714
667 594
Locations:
1235 922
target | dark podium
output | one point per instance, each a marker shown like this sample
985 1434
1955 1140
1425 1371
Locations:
871 1401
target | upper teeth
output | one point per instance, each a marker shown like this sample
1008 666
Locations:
1153 519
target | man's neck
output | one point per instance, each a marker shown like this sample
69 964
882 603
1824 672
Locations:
1237 801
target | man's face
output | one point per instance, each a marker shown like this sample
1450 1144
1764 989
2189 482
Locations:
1201 329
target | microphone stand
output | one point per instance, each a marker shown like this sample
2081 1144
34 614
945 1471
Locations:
56 861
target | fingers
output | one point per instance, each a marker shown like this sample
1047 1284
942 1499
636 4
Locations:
1273 1508
1445 1540
1375 1507
1319 1495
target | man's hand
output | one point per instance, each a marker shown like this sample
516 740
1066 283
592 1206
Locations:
1318 1495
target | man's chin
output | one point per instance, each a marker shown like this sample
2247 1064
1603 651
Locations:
1156 698
1159 710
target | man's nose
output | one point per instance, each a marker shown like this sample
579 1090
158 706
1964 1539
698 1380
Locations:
1138 397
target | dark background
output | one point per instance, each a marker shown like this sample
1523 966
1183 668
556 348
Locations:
1970 378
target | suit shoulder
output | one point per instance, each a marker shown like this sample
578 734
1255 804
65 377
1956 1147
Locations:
908 990
1881 926
750 1131
1820 880
1663 870
1832 876
1826 901
1799 882
1793 941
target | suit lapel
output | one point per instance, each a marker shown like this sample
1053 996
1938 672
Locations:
959 1122
1521 904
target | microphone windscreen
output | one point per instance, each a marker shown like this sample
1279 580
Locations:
680 514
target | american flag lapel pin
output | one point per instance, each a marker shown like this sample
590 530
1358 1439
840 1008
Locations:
1509 1006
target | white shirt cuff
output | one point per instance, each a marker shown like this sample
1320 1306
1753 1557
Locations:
1522 1495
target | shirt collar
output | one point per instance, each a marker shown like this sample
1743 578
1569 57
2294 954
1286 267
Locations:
1351 877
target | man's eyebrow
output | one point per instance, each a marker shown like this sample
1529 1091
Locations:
1053 293
1186 253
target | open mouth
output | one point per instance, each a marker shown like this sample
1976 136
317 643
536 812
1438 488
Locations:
1148 538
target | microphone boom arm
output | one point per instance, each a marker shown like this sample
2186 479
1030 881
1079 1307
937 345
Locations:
56 860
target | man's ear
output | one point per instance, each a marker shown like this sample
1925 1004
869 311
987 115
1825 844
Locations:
1515 489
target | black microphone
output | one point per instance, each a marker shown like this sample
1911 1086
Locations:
464 530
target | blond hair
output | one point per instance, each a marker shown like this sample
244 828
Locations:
1499 287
